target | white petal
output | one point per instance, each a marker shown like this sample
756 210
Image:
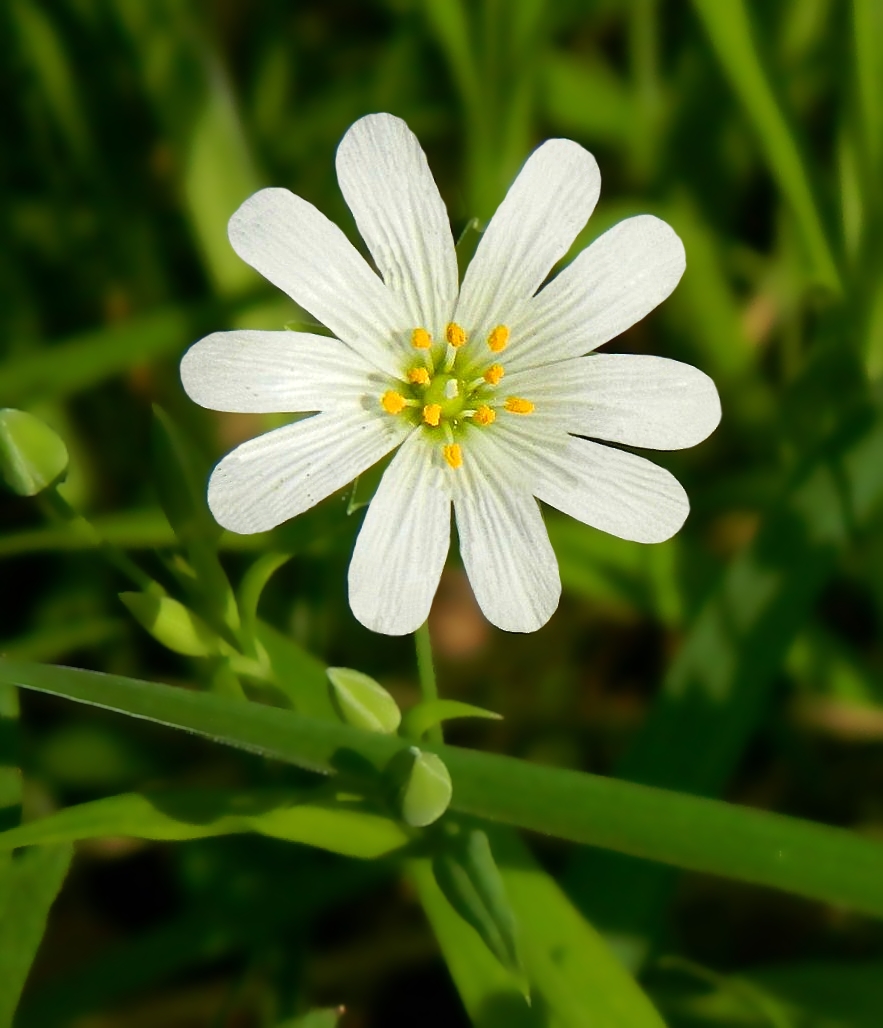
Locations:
609 287
268 372
403 543
535 225
281 474
618 492
303 253
626 398
503 541
386 182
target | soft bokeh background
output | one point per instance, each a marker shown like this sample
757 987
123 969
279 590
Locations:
741 659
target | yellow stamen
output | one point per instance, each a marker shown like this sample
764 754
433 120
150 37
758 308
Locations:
498 339
516 405
453 455
484 415
493 374
455 335
432 414
421 339
418 376
393 402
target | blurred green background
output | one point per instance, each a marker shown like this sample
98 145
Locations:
742 659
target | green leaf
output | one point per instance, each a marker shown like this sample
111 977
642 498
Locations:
491 995
337 823
466 873
420 718
574 978
828 864
729 27
362 702
716 689
174 626
32 455
568 963
28 886
420 785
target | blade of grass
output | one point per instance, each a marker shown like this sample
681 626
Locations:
28 887
328 823
732 36
718 686
811 860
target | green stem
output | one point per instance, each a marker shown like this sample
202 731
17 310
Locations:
57 507
426 673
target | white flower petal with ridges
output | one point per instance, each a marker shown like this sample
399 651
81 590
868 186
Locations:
403 543
535 225
610 489
281 474
609 287
299 250
253 372
503 541
386 181
627 398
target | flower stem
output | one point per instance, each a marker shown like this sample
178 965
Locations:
57 507
426 674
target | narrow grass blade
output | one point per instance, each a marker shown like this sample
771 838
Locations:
729 28
338 825
28 887
828 864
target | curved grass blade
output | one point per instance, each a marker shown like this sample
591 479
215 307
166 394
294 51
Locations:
822 863
333 823
729 28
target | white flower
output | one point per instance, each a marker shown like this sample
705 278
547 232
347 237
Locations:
486 389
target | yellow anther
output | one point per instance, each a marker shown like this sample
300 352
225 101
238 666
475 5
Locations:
453 455
484 415
493 374
432 414
498 339
418 376
455 335
421 339
516 405
393 402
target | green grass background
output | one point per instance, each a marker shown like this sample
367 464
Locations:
740 660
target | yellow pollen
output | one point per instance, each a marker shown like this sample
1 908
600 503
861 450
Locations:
493 374
484 415
453 455
455 335
516 405
421 339
432 414
418 376
392 402
498 339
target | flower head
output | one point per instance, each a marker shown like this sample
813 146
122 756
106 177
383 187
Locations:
489 390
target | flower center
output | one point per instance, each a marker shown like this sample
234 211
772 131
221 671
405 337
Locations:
435 394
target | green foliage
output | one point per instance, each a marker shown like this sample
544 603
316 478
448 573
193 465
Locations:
740 659
362 702
32 456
